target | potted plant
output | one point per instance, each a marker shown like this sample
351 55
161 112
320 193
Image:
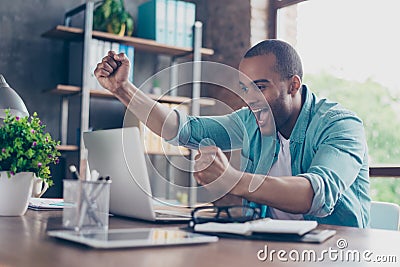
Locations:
26 153
111 16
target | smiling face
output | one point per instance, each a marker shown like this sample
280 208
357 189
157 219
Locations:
282 95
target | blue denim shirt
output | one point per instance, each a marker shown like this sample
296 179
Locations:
327 147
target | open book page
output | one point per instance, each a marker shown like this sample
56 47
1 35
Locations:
298 227
230 228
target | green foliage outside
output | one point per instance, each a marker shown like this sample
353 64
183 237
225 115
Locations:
376 106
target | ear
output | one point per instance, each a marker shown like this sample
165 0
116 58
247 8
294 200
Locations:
295 85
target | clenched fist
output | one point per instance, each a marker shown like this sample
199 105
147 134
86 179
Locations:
112 72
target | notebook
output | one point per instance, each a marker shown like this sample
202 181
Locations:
46 203
119 153
266 225
268 229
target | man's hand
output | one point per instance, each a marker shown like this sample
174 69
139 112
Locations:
211 165
229 200
112 72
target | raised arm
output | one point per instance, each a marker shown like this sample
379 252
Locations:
112 74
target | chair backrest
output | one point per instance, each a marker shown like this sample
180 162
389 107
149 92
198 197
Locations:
385 215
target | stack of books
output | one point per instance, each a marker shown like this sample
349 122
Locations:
98 49
167 21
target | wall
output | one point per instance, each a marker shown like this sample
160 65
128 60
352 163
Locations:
32 64
29 62
226 30
259 23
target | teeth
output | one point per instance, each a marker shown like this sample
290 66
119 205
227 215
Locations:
259 110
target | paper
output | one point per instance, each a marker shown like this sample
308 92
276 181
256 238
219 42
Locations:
298 227
267 225
231 228
46 203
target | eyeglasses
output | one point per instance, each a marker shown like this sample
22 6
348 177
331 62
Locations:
224 214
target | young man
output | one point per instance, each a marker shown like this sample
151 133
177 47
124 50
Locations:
320 170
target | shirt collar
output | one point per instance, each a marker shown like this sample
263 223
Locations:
299 131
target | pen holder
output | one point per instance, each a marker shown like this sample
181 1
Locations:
86 205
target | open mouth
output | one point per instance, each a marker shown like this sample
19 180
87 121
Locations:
262 116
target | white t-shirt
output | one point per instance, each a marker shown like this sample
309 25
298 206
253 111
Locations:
282 167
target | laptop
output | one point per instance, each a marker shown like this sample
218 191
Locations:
119 153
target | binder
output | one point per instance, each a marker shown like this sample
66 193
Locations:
152 20
106 46
171 22
115 47
180 24
130 53
93 60
99 56
190 12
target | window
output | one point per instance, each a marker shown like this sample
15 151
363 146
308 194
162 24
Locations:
350 52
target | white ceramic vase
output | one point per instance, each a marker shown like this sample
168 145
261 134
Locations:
15 193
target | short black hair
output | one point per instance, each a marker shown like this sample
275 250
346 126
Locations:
288 62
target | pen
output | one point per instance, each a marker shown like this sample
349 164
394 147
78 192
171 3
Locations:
84 208
89 202
94 175
96 193
87 208
74 172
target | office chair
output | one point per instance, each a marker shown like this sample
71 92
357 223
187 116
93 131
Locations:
385 215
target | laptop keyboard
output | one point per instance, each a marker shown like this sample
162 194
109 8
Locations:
172 213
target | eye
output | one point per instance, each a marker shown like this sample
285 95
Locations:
261 87
245 89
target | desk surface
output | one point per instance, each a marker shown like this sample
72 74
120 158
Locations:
23 242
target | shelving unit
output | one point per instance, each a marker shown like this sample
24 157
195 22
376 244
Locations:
72 34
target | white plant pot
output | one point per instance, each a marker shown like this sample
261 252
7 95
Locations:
15 193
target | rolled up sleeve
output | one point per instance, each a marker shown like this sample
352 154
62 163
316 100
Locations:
224 131
338 159
321 205
182 118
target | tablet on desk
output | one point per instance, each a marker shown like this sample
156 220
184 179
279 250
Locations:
123 238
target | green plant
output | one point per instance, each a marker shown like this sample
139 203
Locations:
25 147
111 16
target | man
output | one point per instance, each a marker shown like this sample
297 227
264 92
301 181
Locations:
320 171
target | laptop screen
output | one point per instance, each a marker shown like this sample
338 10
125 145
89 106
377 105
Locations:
119 153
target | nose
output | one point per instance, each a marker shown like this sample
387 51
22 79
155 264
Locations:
254 98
